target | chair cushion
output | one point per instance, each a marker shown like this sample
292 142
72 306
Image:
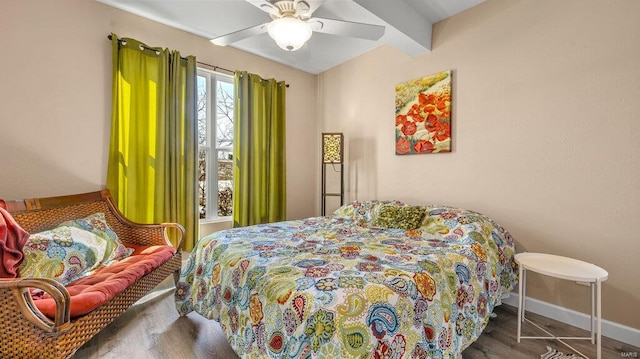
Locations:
96 289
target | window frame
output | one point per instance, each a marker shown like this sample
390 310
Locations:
212 149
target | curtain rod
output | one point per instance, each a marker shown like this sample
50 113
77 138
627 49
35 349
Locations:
214 67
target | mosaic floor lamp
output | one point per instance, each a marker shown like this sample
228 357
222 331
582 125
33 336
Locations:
332 154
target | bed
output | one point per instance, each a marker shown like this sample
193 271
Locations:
375 279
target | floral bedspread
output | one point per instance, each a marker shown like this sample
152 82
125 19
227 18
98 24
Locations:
338 287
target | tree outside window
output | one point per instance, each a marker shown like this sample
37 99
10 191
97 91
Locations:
215 140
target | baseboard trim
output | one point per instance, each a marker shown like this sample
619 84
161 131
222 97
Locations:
610 329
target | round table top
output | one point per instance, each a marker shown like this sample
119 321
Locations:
561 267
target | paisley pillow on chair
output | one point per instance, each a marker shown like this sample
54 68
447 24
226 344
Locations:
63 253
97 224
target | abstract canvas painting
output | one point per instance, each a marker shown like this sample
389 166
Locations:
423 115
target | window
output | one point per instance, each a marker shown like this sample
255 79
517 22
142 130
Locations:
215 144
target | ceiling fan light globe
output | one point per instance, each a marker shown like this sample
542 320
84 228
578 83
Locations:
289 33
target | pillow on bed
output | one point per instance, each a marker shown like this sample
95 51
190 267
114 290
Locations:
402 217
97 224
63 253
364 211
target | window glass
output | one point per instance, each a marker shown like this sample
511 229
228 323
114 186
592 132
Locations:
215 108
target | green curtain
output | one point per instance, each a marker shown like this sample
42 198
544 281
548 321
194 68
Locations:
152 165
259 189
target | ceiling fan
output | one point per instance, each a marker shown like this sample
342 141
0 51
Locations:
292 25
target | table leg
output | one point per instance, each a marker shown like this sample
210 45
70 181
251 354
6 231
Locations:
599 318
593 303
520 298
524 293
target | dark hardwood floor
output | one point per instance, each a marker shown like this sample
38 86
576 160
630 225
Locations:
153 329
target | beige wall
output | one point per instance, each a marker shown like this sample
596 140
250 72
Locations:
55 96
546 134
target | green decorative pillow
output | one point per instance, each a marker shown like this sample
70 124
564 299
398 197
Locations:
402 217
97 224
63 253
363 211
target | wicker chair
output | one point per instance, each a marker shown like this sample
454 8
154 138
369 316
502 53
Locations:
26 332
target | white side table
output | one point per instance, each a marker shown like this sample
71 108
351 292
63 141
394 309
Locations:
569 269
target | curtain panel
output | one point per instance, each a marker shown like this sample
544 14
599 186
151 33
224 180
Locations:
153 146
259 194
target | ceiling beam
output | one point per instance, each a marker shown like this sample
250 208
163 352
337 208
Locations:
405 19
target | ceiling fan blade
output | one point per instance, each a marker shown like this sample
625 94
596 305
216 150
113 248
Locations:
302 9
346 28
232 37
266 6
310 6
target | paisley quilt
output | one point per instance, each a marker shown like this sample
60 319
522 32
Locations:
341 287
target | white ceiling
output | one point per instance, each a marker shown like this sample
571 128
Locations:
407 24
